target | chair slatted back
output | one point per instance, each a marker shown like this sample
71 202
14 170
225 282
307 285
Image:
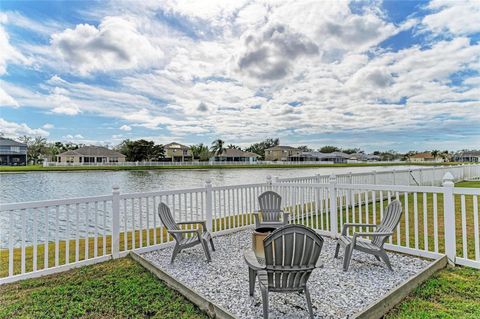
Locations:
271 206
167 219
390 221
291 253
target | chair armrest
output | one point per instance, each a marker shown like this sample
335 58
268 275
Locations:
195 222
370 234
183 231
251 260
348 225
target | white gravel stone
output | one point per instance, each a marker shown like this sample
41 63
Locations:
335 293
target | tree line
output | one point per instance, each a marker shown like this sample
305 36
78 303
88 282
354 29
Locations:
143 150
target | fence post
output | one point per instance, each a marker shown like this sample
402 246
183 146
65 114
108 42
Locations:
449 217
269 182
317 178
115 222
374 177
394 176
332 191
209 204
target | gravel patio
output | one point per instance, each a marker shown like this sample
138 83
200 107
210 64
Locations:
335 294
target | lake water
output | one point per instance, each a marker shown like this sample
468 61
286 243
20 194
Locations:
35 186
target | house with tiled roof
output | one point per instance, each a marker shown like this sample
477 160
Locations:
280 153
89 155
235 155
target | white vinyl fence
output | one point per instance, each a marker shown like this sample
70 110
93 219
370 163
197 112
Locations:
39 238
418 176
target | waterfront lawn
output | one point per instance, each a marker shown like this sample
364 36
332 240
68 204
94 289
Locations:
450 293
114 289
29 168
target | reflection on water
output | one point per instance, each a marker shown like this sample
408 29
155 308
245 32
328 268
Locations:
34 186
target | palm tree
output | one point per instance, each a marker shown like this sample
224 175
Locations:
435 153
233 146
218 146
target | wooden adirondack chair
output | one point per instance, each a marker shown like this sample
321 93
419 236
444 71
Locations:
291 254
382 232
201 236
270 213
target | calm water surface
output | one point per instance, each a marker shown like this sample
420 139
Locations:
34 186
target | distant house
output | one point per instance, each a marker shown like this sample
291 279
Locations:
467 156
234 155
335 157
176 152
425 157
90 154
362 157
12 153
280 153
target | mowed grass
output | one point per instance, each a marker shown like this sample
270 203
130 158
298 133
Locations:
452 293
30 168
114 289
103 246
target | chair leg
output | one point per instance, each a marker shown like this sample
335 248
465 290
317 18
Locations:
385 258
211 243
309 302
337 249
175 252
252 274
264 291
205 249
347 256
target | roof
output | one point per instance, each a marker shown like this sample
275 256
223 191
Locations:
325 155
92 151
176 145
232 152
467 154
9 142
281 148
422 155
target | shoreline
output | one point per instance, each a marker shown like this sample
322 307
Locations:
39 168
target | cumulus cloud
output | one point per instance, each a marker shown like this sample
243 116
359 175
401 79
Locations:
457 17
48 126
115 45
202 107
15 130
7 100
270 55
62 104
125 128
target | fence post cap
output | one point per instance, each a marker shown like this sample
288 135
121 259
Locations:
448 179
115 188
332 178
208 181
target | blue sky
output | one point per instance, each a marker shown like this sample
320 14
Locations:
377 75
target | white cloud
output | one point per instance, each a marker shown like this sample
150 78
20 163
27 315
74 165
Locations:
62 104
457 17
48 126
15 130
115 45
8 53
125 128
6 99
254 69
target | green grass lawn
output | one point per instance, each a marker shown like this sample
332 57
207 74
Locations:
451 293
114 289
193 166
